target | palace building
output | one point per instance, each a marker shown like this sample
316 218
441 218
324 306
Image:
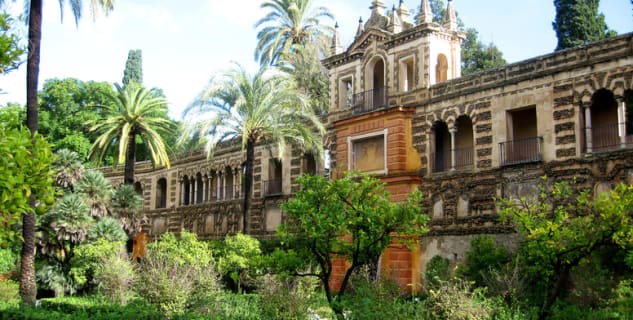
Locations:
401 110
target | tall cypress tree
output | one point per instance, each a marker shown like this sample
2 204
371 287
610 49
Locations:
133 68
579 22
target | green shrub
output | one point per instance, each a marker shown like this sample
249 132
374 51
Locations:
8 260
9 291
288 297
177 275
114 278
52 277
484 255
238 259
89 257
456 301
228 305
379 300
438 270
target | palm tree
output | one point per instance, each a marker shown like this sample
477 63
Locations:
97 191
28 289
68 169
135 112
261 109
289 23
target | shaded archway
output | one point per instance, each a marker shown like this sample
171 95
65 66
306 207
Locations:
464 143
441 147
161 193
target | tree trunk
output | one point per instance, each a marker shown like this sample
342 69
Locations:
130 159
554 292
248 183
28 289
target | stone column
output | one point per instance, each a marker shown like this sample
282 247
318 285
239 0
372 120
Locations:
588 132
224 188
453 132
622 124
209 187
204 189
236 183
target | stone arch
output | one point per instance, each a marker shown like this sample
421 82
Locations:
161 193
604 122
186 190
464 142
441 68
440 151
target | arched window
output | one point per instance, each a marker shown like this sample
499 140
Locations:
309 165
161 193
229 183
441 148
464 150
138 187
186 190
441 68
199 188
604 126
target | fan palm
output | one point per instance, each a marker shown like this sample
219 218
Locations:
70 219
97 191
125 206
134 112
261 109
107 229
289 23
28 289
68 168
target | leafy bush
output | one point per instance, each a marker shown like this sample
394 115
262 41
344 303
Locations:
89 257
379 300
177 274
8 260
239 255
455 300
53 278
484 255
287 297
114 277
9 291
438 270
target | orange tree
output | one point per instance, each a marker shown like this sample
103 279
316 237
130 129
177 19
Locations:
351 218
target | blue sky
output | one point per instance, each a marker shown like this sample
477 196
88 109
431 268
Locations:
184 45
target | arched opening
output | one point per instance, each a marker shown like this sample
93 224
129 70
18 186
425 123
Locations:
604 124
464 151
379 94
441 68
161 193
309 164
229 183
138 188
441 151
273 186
199 188
186 190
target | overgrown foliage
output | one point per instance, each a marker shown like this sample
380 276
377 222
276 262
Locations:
349 218
11 48
563 227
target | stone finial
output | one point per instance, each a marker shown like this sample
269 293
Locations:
377 7
361 27
451 17
336 46
395 25
426 14
403 12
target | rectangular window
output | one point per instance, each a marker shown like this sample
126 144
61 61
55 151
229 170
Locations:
406 74
346 93
368 153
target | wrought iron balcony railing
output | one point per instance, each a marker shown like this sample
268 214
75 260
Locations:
273 187
441 161
371 100
521 151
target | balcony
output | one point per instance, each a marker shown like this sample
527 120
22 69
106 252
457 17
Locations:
610 137
521 151
369 101
272 187
441 161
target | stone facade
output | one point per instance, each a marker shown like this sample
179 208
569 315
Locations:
400 110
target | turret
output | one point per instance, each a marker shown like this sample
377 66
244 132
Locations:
426 14
336 47
451 17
